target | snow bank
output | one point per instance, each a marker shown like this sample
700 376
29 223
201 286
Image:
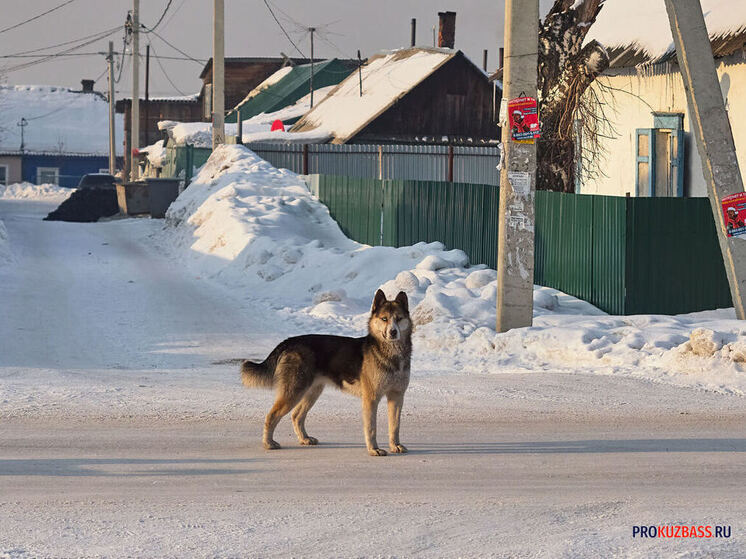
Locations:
156 153
257 228
28 191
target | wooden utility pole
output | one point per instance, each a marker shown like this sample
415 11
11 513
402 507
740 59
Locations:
312 29
147 94
112 130
712 131
413 33
135 112
218 73
515 251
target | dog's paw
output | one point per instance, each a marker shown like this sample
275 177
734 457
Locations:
376 452
309 441
398 448
271 445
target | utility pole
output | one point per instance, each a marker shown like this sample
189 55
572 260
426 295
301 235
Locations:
135 112
712 131
147 95
23 123
218 73
515 249
112 144
413 38
360 71
312 29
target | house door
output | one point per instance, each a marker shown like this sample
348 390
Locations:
660 162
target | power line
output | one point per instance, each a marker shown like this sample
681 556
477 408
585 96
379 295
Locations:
266 3
52 56
198 61
37 16
160 19
60 44
158 60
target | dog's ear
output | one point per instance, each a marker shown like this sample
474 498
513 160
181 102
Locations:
401 298
378 300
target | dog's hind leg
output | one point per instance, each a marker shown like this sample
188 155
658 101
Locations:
292 382
300 412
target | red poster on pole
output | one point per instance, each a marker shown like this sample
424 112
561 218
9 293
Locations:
734 214
523 119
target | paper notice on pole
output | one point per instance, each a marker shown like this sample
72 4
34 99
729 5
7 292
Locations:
520 181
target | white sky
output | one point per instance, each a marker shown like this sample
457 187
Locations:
344 26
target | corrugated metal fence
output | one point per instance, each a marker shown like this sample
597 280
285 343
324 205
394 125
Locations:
409 162
182 161
624 255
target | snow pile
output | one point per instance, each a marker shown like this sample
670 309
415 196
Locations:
255 129
156 153
645 25
28 191
257 228
59 120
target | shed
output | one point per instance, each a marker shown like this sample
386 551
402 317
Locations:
287 85
412 95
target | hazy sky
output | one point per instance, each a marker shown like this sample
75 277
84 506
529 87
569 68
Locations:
344 27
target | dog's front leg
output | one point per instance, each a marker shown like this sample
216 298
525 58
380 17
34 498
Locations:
396 401
370 411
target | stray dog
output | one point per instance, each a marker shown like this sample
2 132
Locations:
368 367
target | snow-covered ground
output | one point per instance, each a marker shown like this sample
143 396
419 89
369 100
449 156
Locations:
124 430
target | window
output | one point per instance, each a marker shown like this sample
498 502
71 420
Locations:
3 174
660 157
47 175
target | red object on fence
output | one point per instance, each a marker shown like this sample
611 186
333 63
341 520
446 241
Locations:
278 125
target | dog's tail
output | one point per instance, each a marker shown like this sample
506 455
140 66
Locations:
257 375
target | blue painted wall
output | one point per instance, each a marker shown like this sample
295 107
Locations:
72 168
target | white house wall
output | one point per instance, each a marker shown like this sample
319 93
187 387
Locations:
635 96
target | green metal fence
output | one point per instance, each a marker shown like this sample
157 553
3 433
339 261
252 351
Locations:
624 255
184 159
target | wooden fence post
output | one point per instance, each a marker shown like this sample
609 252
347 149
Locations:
450 163
305 159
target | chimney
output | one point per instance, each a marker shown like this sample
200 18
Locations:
414 32
447 30
87 86
501 60
484 60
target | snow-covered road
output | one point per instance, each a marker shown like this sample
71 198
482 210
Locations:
123 432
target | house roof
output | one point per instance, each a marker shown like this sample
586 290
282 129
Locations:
123 102
58 120
250 60
287 85
638 31
386 78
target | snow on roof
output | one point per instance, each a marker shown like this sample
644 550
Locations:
255 129
641 27
270 81
386 77
59 121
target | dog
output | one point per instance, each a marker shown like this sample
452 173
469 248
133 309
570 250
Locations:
369 367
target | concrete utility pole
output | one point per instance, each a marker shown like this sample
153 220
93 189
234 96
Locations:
135 112
147 94
515 248
112 139
218 73
312 29
711 128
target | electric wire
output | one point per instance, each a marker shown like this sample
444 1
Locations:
266 3
158 60
37 16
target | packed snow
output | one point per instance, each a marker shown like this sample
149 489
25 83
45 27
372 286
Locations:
54 116
257 228
386 77
29 191
156 153
645 25
255 129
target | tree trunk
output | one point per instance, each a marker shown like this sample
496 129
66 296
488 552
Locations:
566 69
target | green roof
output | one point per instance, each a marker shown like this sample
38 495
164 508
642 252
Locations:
290 88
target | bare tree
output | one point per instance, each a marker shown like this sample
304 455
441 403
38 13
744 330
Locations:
566 70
